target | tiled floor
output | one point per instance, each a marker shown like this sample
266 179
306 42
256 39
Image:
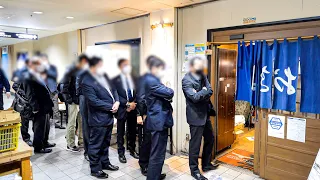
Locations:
65 165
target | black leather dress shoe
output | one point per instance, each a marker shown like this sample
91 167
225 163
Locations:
100 175
198 176
210 167
163 176
43 151
122 159
110 167
134 154
49 145
144 171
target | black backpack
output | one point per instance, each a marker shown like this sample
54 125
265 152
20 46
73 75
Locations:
21 103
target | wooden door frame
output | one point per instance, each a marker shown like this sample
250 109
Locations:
214 64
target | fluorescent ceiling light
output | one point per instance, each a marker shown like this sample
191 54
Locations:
1 7
70 17
38 12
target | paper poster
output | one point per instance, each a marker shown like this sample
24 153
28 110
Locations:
276 126
192 50
296 129
315 170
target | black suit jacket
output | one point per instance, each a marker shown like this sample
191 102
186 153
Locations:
37 94
197 102
118 84
99 101
158 100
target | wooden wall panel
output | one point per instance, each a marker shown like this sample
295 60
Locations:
281 159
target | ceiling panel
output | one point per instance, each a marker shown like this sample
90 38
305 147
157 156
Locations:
19 13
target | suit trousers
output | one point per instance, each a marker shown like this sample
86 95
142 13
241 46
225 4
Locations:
74 117
39 129
159 141
98 149
1 101
144 152
131 132
85 124
25 128
194 146
47 130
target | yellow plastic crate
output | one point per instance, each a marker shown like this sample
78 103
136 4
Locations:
9 137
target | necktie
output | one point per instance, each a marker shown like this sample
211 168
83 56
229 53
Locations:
130 97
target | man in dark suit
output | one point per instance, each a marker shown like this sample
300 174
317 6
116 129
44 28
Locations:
83 107
17 77
102 102
197 91
159 116
38 95
145 148
125 85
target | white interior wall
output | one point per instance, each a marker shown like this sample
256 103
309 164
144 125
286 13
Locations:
62 49
193 23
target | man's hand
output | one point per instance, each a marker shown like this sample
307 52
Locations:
8 94
139 120
115 107
144 117
195 91
131 106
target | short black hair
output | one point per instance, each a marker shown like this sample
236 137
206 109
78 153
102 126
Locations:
149 59
83 56
156 62
120 61
193 59
94 61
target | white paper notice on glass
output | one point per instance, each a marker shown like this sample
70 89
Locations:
315 170
276 126
296 129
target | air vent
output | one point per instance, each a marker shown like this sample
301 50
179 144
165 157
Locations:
129 11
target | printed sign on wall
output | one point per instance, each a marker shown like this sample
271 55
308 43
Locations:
276 126
296 129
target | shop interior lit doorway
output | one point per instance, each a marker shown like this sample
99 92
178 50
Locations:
235 120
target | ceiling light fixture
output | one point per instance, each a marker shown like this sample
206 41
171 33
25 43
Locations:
1 7
37 12
70 17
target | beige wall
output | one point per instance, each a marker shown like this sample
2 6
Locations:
193 23
61 49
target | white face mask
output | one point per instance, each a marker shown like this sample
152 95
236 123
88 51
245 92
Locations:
40 68
100 71
160 74
126 69
21 64
85 67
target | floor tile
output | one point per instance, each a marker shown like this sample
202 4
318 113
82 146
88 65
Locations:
71 170
125 177
40 176
55 174
185 177
245 177
135 173
76 175
116 174
227 176
232 173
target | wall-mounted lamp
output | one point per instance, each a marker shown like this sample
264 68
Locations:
163 25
